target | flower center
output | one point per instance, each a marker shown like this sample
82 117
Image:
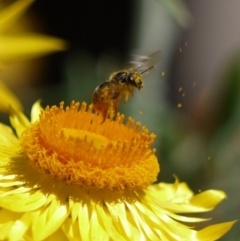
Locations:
71 144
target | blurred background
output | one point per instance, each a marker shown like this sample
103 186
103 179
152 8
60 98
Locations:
191 100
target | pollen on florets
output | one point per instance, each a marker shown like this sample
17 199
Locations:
72 145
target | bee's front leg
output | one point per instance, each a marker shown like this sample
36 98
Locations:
131 90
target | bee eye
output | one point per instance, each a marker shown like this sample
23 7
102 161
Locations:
131 78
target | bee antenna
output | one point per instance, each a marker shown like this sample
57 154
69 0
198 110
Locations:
146 70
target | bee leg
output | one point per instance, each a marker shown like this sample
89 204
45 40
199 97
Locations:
111 109
131 90
126 97
115 105
104 114
102 108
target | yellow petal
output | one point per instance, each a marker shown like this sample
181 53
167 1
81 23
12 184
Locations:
71 231
141 223
15 48
7 177
7 220
35 111
22 201
214 232
8 99
10 14
106 222
19 227
125 228
19 122
186 219
176 192
59 236
49 220
97 232
10 184
173 230
7 136
178 198
74 209
83 221
7 153
20 190
207 200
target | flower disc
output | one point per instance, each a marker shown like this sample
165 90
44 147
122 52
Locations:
71 144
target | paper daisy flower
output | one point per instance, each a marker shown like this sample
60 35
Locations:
66 176
27 45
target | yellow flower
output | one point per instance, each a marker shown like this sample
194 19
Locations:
66 176
21 46
27 45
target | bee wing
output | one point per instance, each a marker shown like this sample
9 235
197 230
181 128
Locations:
140 63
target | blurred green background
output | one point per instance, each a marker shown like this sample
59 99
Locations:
192 98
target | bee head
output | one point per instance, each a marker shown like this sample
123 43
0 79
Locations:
135 79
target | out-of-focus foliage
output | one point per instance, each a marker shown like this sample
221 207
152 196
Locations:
179 10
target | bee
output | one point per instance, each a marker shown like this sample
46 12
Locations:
107 95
